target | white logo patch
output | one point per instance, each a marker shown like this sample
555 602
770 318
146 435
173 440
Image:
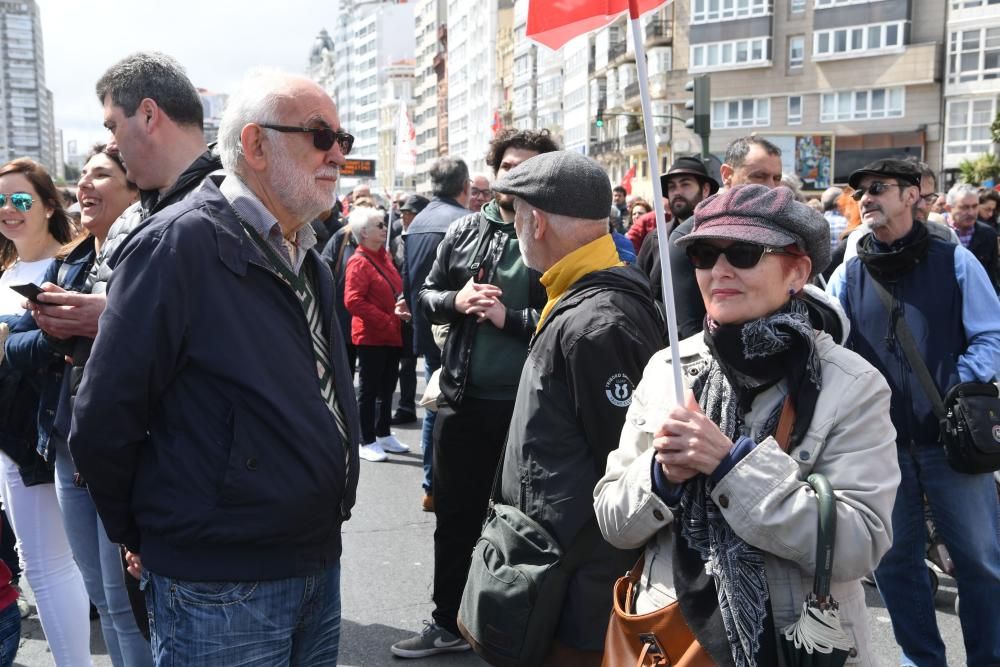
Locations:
619 390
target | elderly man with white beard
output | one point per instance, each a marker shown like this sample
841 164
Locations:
216 425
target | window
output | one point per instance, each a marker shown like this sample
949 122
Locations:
969 4
798 6
795 110
742 52
741 113
796 51
861 105
857 40
706 11
974 55
968 126
820 4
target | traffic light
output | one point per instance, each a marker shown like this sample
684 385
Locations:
701 105
599 121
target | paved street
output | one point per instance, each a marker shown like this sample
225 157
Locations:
387 573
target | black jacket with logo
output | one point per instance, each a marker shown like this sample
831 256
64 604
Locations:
575 389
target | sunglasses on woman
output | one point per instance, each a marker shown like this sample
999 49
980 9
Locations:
739 255
22 201
323 137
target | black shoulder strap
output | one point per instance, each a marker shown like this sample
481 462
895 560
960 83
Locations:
905 338
482 244
380 272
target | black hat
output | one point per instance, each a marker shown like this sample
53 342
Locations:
561 183
414 203
692 166
903 170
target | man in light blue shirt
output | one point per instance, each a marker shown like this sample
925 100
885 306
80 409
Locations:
946 300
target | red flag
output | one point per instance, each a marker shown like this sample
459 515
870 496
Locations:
627 179
555 22
497 123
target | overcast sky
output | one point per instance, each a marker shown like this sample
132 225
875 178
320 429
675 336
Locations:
215 40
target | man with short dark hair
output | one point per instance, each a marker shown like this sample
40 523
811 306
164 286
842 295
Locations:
619 200
595 335
752 159
479 287
945 299
216 425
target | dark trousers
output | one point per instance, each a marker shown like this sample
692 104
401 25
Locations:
468 442
408 373
378 368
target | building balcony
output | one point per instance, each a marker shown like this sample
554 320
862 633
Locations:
606 146
634 139
616 50
632 93
660 32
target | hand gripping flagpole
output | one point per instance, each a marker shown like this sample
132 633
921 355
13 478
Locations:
661 226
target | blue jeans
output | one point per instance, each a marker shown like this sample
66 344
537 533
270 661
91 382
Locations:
100 563
427 432
223 624
967 516
10 634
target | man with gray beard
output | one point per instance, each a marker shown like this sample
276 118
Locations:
216 424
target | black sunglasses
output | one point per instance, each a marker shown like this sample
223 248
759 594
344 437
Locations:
323 137
22 201
739 255
874 189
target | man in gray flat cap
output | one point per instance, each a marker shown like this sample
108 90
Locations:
594 337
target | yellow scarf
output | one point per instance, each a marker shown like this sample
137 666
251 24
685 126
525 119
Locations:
595 256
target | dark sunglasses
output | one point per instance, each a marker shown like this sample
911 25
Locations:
739 255
323 137
874 189
22 201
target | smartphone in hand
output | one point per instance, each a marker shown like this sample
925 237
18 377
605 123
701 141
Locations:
29 291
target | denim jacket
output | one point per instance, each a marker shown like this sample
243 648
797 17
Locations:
28 349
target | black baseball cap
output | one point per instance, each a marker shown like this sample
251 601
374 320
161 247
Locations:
902 170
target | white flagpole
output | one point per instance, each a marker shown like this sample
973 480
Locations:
661 226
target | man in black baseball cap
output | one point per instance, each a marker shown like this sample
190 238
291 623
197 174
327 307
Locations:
900 170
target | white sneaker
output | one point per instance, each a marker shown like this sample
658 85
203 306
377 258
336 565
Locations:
372 452
391 444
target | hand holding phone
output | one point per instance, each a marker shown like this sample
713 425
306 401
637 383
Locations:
29 291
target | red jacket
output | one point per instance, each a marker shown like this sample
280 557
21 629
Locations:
370 297
643 226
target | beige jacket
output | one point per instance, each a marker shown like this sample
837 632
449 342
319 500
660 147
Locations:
765 497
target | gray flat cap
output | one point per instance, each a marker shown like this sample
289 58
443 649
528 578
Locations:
562 183
765 216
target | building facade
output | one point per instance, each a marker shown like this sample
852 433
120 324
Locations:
430 88
26 118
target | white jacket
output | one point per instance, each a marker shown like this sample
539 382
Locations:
765 498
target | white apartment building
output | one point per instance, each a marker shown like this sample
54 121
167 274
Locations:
474 93
430 84
971 79
370 35
396 98
26 118
577 120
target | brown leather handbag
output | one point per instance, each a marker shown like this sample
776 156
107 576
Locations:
662 638
658 639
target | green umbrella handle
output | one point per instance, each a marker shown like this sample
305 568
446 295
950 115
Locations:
826 537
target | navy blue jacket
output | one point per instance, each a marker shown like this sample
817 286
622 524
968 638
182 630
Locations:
422 240
200 427
930 300
28 349
984 246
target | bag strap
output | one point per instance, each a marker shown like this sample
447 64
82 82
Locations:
909 346
786 422
380 272
482 245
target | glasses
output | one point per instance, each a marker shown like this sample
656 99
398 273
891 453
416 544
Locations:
22 201
929 197
874 189
477 192
739 255
323 137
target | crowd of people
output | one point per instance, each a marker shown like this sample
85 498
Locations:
195 368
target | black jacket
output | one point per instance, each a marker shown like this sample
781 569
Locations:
688 303
984 246
575 389
450 272
200 425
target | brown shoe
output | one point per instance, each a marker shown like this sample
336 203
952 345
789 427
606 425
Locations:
428 503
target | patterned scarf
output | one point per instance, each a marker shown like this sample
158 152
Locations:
747 359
